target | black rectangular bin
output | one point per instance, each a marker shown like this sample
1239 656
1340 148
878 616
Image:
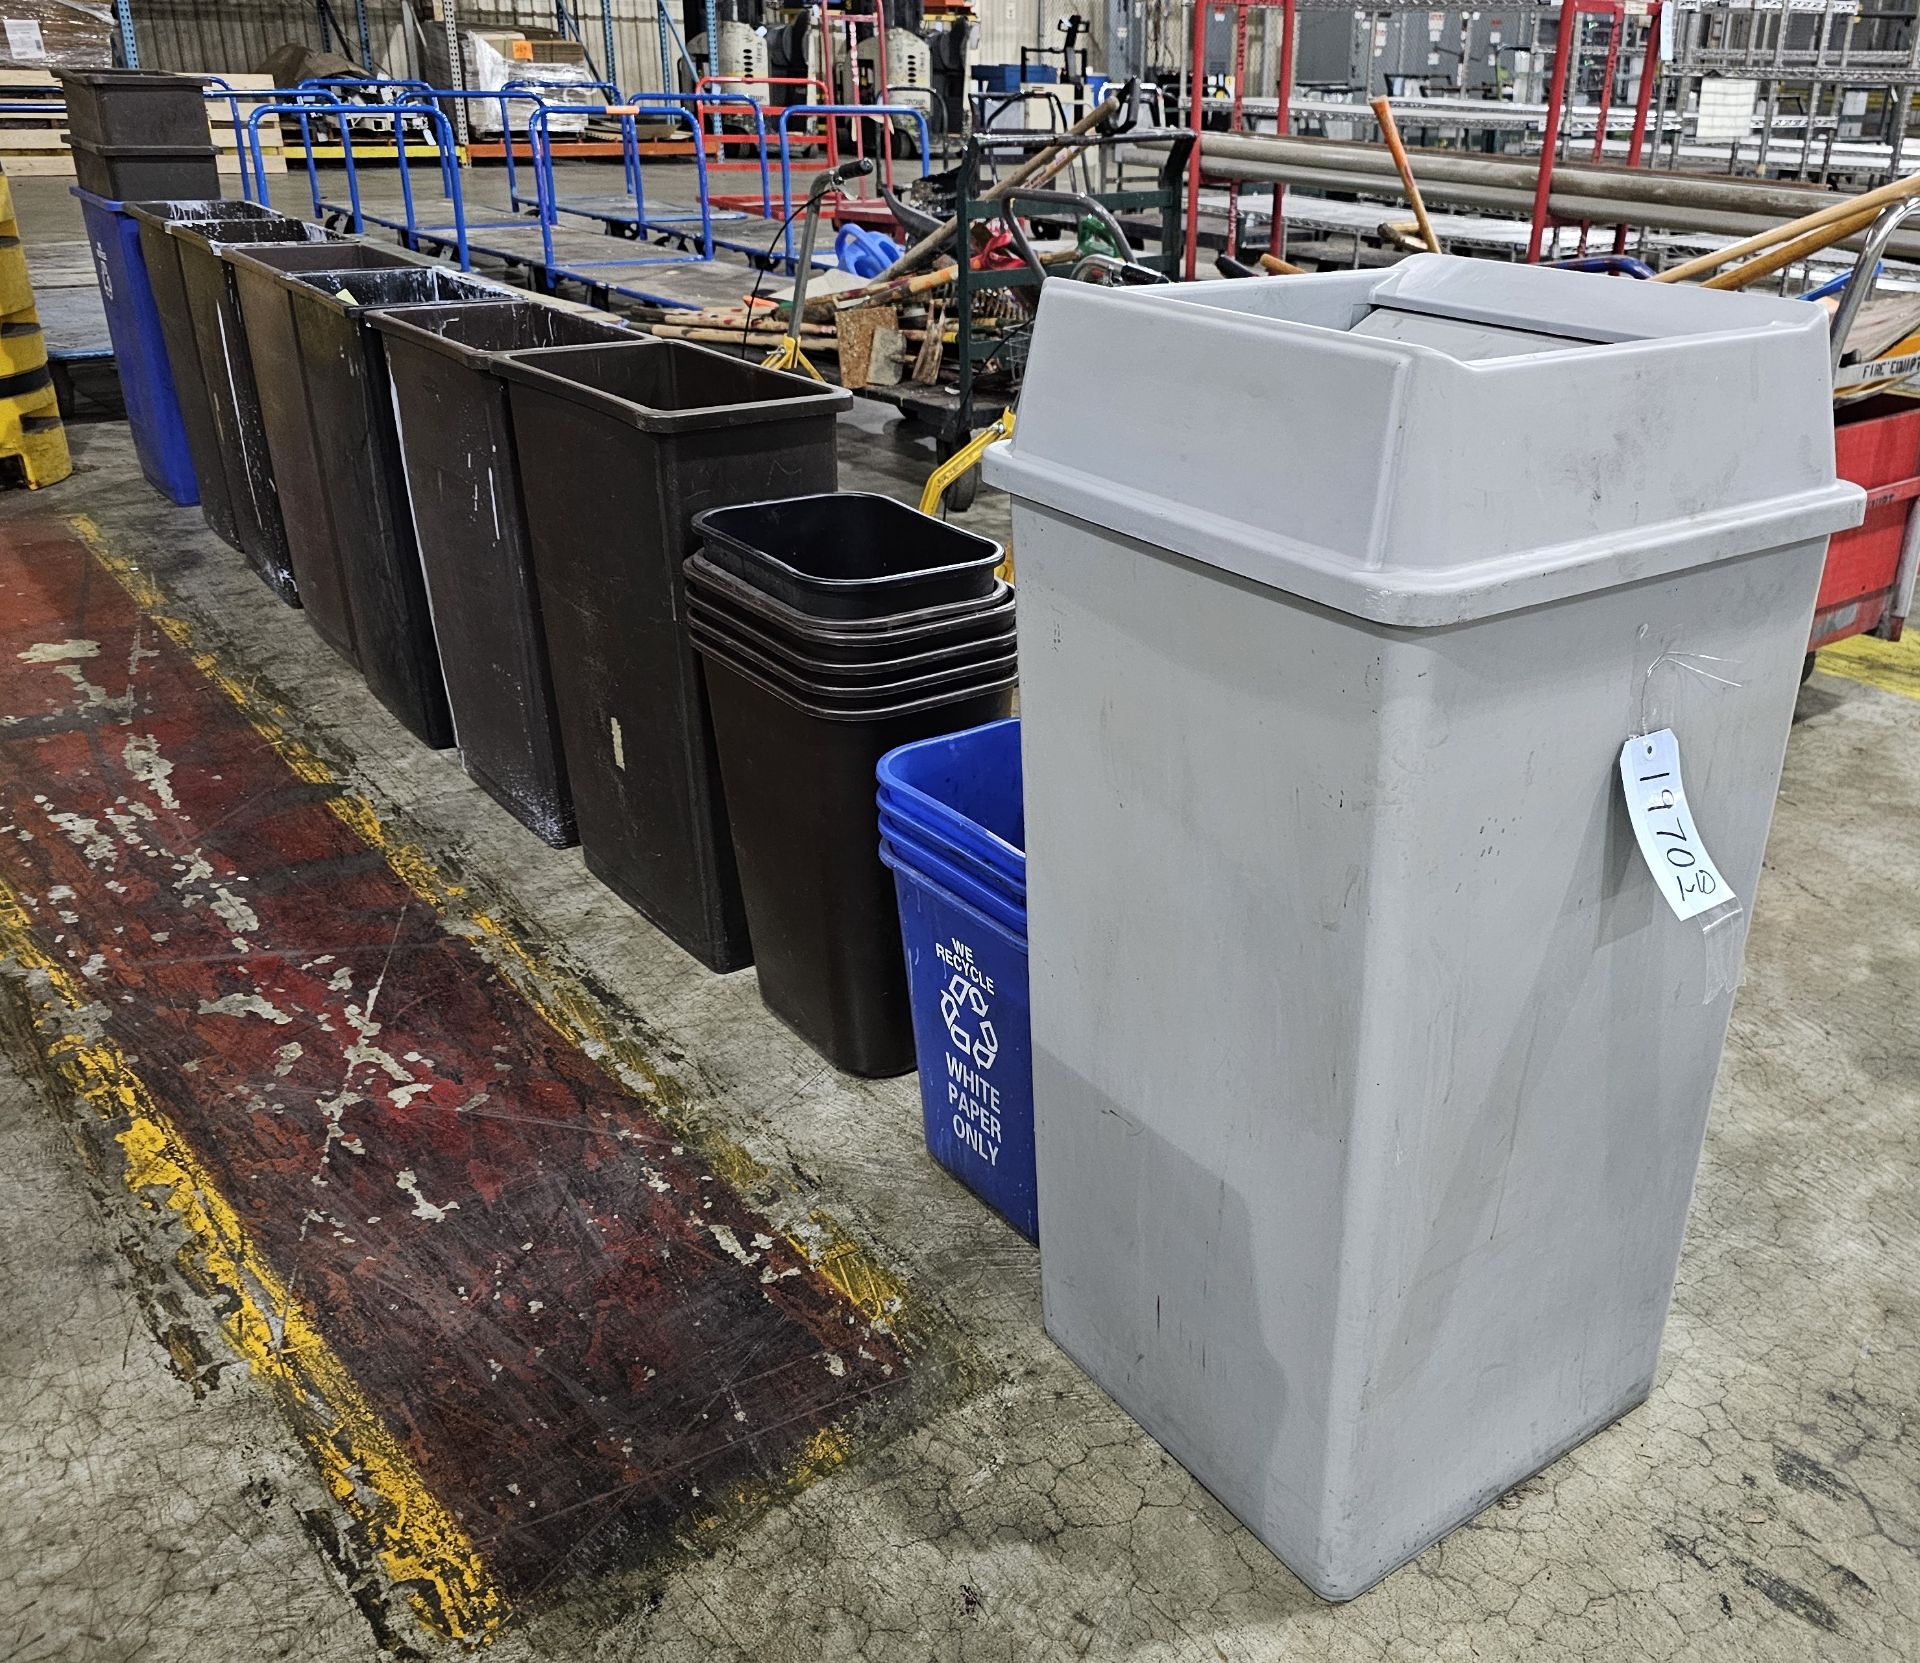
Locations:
162 255
227 369
122 172
456 435
135 106
343 360
620 445
301 478
799 767
849 556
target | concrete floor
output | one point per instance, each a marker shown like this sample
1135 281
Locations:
1763 1505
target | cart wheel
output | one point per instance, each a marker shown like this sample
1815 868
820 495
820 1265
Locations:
1806 669
962 491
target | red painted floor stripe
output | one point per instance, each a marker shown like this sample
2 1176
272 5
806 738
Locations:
580 1334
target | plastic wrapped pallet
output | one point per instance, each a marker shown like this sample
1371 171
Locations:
43 34
490 69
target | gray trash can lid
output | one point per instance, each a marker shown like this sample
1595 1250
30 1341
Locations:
1445 440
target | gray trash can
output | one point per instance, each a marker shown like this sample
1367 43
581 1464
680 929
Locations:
1371 1068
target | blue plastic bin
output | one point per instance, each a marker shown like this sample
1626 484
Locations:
996 77
966 788
963 925
967 980
139 350
978 872
938 863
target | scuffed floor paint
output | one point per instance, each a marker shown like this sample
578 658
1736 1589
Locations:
533 1331
1891 666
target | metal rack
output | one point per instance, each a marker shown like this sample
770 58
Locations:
951 412
1809 52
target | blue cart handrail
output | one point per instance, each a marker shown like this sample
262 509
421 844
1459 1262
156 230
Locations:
397 113
878 112
217 86
540 142
529 92
735 102
433 96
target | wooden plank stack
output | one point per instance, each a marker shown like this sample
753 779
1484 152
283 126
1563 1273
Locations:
35 143
227 138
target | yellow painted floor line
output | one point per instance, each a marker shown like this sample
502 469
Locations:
421 1546
1891 666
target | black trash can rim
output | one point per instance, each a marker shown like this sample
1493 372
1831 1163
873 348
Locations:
790 397
731 528
829 694
415 323
958 694
829 682
129 77
326 284
255 258
140 152
163 211
884 660
208 233
851 632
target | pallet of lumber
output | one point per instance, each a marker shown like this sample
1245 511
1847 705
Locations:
35 142
228 138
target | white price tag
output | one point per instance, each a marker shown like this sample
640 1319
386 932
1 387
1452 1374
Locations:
1663 825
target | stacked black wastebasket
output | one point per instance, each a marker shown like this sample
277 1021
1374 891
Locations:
834 628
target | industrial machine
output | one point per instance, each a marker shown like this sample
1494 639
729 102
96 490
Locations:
743 59
900 69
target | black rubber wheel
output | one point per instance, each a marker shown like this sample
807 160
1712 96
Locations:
962 491
1806 669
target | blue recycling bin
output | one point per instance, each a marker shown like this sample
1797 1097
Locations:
139 350
963 929
965 788
944 865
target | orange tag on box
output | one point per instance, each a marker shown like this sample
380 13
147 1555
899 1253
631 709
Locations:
522 50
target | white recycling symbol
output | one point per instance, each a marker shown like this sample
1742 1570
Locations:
963 999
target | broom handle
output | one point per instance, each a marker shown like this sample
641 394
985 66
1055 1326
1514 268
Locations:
1850 208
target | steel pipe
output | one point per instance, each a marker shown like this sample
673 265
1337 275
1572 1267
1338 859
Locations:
1769 201
1574 199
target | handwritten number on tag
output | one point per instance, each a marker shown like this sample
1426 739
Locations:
1663 825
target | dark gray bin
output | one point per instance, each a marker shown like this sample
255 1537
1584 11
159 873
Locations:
232 396
162 256
301 477
135 107
343 360
620 446
456 436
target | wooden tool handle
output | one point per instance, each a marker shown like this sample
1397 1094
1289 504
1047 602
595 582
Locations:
1383 113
